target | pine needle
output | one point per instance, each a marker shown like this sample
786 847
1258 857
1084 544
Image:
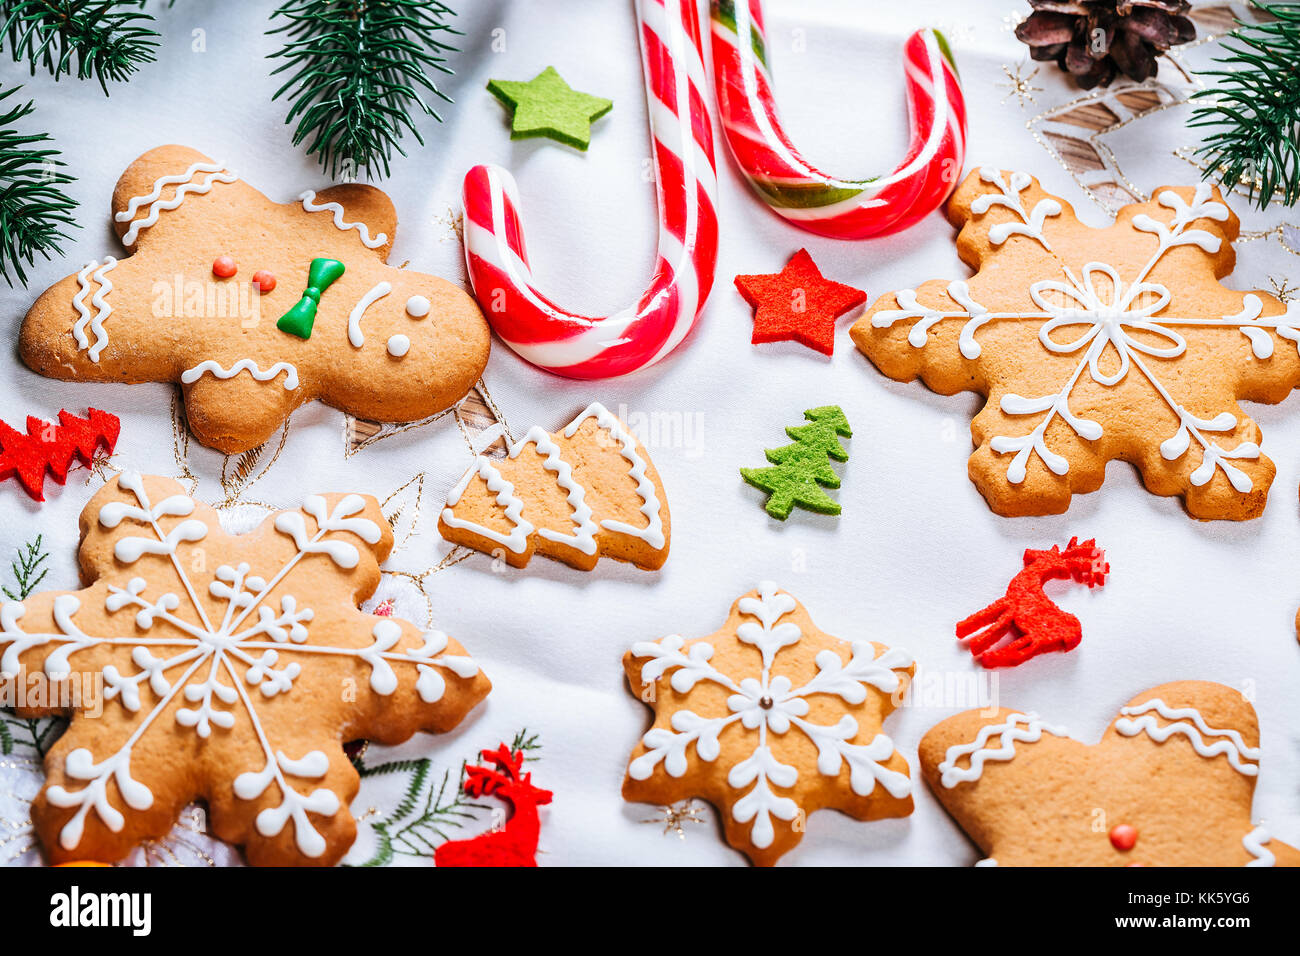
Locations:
357 70
33 209
107 39
1253 111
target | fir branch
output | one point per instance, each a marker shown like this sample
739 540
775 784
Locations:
38 733
107 38
30 560
1253 113
6 738
529 744
33 209
358 70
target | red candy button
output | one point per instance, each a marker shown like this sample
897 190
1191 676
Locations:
223 267
264 281
1123 836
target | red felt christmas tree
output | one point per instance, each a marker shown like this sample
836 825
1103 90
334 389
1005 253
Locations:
50 447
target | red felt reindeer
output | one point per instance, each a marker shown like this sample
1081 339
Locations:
515 844
1035 622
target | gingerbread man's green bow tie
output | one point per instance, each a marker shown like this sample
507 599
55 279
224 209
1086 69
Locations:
299 320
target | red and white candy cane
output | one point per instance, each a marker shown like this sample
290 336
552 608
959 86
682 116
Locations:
797 190
681 126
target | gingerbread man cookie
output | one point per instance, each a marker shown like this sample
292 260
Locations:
1096 344
1170 784
587 490
230 669
769 719
257 307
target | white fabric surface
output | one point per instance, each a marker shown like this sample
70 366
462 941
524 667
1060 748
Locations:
915 550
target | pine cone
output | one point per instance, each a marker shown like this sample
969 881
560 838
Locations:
1092 40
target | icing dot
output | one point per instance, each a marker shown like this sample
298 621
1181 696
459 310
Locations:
265 281
223 267
398 345
1123 836
417 306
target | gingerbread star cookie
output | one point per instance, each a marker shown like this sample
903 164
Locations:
587 490
257 307
232 669
769 719
1170 784
1094 345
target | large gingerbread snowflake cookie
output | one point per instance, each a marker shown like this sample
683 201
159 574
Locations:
769 719
1170 784
257 307
231 669
1094 345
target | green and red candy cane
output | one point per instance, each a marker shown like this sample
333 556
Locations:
797 190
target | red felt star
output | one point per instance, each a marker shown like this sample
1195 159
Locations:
798 304
51 447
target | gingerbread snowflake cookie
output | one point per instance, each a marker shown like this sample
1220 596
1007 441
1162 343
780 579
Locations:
228 668
1096 344
1170 784
769 719
587 490
257 307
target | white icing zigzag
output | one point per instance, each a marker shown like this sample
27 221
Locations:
584 535
102 309
217 174
243 365
1008 733
1231 745
1254 843
308 205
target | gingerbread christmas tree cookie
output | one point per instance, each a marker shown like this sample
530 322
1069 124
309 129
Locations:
257 307
587 490
228 668
1094 345
1170 784
769 719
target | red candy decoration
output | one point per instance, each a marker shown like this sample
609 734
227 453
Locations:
223 267
1123 836
798 304
516 843
1034 620
50 447
265 281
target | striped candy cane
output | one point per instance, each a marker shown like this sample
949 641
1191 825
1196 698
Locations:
797 190
681 125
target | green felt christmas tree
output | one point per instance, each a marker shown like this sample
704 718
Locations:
800 470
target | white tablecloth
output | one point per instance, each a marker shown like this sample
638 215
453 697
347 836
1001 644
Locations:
915 550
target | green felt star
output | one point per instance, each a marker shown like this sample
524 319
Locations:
547 106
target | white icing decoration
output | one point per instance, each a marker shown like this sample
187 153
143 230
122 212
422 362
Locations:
355 335
1254 843
1031 223
417 306
362 229
99 300
584 536
217 174
212 663
398 345
989 862
1188 722
1017 728
521 528
771 705
1107 310
191 375
653 533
